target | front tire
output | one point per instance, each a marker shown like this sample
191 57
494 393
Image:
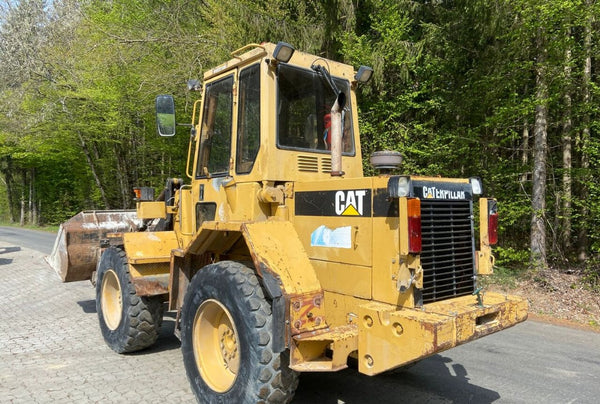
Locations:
226 339
128 322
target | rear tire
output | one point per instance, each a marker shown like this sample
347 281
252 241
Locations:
226 339
128 322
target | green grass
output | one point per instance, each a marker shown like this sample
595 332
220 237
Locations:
49 229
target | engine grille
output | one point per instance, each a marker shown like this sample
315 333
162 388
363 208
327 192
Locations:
447 256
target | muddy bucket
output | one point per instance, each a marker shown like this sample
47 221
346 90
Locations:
77 247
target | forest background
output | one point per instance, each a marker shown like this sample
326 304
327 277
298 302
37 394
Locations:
505 89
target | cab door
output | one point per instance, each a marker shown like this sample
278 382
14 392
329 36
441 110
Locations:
214 154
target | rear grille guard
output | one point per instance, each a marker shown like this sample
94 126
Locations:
448 253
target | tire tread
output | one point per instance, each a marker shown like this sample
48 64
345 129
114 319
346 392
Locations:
143 314
276 382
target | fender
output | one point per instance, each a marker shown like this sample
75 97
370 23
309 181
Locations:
277 252
149 257
276 246
273 245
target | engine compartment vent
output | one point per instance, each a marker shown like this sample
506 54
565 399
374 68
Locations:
309 164
326 165
314 164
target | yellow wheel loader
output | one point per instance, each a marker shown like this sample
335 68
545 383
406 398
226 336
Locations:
276 253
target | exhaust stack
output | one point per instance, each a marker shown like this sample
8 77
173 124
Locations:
336 135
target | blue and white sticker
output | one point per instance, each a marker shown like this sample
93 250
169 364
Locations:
323 236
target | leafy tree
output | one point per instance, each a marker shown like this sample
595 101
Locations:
504 90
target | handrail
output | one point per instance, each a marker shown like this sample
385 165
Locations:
189 157
243 48
194 111
187 165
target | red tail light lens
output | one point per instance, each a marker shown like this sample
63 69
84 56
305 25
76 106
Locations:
414 225
492 222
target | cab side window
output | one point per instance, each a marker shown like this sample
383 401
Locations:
215 149
248 141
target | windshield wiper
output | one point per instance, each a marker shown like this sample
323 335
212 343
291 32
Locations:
325 73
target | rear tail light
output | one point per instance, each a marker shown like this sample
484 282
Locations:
492 222
414 225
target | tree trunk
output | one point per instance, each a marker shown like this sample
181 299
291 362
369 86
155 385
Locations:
582 238
9 189
123 182
565 209
525 149
22 217
540 150
32 214
92 166
35 213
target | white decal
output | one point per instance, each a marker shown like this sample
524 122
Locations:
323 236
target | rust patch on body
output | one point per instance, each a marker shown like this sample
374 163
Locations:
307 312
152 285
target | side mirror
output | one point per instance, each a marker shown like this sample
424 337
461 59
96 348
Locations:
165 115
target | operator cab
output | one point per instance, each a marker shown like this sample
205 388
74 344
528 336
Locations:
266 115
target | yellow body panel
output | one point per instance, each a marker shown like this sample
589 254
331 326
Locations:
485 259
151 210
352 280
185 221
148 247
445 179
351 199
149 256
342 309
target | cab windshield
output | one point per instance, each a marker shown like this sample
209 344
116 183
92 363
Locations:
304 100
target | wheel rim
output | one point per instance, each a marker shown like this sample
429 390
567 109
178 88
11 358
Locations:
215 342
112 305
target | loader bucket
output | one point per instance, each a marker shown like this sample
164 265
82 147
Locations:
77 247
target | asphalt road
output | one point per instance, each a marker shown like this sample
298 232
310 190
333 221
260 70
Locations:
530 363
41 241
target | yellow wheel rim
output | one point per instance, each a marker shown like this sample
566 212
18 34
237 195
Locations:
112 305
216 349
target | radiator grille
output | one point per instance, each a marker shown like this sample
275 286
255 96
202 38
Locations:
447 257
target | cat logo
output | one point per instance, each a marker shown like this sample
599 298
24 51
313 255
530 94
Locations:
349 203
433 192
